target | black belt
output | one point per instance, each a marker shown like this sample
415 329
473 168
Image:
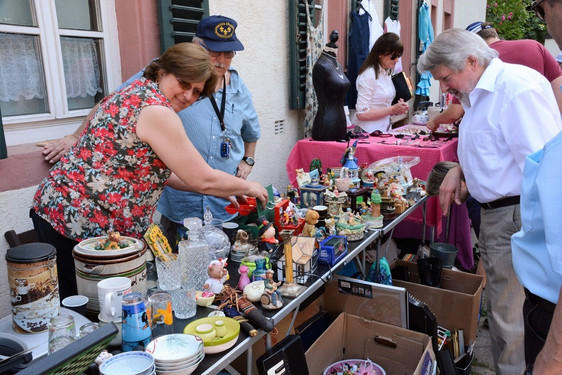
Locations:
502 202
540 302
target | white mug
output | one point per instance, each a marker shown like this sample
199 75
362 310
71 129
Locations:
110 292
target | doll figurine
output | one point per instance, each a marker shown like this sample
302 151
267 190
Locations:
218 274
311 219
267 243
244 278
271 299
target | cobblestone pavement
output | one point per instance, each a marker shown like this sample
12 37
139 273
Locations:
483 363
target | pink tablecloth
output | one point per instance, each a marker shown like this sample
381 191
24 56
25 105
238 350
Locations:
372 149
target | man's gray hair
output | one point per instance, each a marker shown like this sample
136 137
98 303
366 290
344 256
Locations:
452 47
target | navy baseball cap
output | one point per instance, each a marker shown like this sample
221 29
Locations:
219 34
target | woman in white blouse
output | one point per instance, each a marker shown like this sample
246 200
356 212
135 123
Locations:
375 90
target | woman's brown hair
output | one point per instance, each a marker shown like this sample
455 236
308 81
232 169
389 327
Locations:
187 61
386 44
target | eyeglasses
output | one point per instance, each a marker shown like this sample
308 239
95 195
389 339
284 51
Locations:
395 56
226 54
537 8
187 86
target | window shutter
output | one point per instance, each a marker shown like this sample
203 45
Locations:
297 44
178 20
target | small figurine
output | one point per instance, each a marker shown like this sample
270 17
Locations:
303 178
271 299
268 243
241 243
218 274
311 219
244 278
376 203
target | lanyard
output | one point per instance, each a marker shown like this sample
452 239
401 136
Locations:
220 114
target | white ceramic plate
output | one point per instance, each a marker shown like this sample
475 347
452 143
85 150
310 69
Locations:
87 248
175 347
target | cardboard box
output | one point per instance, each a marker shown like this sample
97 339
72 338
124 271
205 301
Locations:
456 304
396 350
383 303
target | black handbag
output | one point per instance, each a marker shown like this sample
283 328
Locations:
403 87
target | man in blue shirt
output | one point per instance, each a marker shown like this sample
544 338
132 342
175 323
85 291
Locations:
227 145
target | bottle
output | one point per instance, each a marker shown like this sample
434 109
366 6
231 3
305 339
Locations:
194 257
219 244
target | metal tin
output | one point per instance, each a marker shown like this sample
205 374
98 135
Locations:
33 282
136 327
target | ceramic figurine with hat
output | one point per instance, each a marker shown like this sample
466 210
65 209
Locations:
271 299
267 242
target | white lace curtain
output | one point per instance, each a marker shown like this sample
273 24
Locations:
21 71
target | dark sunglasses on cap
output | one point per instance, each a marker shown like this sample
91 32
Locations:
537 8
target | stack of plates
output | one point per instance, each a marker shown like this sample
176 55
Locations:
129 363
176 354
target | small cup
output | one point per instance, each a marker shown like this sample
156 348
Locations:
230 228
110 292
169 273
322 211
62 331
76 303
88 328
160 314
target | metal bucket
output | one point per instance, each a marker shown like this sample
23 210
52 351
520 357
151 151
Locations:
444 251
34 290
91 269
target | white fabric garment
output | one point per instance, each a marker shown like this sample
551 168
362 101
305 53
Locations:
375 29
374 93
393 26
510 114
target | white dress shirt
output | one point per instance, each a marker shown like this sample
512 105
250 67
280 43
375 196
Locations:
510 114
374 93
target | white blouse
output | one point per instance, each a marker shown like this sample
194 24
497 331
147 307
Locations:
374 93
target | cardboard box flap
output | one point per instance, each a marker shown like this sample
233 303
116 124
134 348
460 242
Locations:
354 337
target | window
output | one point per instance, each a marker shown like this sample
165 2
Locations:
54 63
179 19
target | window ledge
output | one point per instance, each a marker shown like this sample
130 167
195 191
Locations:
25 167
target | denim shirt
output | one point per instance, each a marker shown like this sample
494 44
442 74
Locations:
203 129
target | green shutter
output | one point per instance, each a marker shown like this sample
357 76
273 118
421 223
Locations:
178 20
297 48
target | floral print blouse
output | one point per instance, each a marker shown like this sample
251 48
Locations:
109 178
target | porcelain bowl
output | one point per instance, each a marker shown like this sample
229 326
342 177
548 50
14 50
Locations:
203 301
128 363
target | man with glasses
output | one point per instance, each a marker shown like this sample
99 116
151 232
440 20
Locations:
510 112
224 128
537 248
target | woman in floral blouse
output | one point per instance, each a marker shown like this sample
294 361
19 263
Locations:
131 147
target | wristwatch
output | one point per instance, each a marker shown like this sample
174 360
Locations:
249 160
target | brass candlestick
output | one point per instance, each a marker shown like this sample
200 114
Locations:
289 287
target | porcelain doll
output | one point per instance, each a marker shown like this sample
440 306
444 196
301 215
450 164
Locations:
218 274
244 278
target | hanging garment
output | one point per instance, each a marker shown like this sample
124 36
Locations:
425 33
375 29
314 45
393 26
358 51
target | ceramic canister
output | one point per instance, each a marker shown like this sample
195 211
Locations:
33 282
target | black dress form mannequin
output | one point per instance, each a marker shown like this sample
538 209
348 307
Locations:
331 85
